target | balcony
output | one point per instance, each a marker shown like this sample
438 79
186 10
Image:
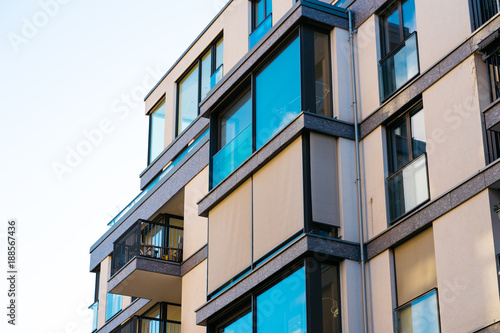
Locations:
139 324
408 187
481 11
398 67
148 255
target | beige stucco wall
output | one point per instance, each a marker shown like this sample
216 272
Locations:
348 209
280 7
341 75
366 60
466 266
103 287
453 29
193 296
350 296
380 292
453 128
195 227
373 165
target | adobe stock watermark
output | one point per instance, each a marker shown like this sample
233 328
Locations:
31 26
91 138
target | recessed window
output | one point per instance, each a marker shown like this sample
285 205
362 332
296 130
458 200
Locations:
322 74
262 20
195 84
156 132
408 182
398 39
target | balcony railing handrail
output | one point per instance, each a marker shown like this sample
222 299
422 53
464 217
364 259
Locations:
158 223
158 319
397 172
397 49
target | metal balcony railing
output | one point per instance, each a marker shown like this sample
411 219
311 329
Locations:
481 11
139 324
408 187
399 66
154 239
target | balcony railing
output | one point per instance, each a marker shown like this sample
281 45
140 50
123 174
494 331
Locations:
481 11
139 324
408 187
260 31
232 155
148 239
95 310
399 66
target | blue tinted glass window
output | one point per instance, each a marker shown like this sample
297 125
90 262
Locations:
241 325
420 316
269 7
282 308
188 100
156 132
206 73
278 99
113 305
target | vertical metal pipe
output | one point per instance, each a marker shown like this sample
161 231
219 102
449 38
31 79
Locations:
358 176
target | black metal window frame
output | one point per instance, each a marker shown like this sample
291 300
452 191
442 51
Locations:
97 284
406 117
383 42
305 33
481 11
254 12
213 48
313 290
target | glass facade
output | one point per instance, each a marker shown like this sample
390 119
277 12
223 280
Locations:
113 305
261 20
277 97
282 308
420 316
156 132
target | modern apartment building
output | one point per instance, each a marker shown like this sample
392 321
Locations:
317 167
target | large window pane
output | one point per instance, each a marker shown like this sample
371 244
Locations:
330 298
240 325
206 73
322 74
113 305
188 100
156 132
236 119
391 28
409 20
282 308
278 93
418 133
420 316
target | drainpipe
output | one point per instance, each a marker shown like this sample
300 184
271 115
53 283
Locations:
358 173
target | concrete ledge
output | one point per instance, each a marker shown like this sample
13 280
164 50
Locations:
306 244
304 121
422 218
194 260
493 328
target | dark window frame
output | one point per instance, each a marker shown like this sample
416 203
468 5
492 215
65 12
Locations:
97 284
254 12
198 62
395 312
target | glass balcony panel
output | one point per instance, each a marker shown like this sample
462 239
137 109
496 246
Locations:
260 31
398 67
408 187
206 70
216 77
232 155
95 310
420 316
113 305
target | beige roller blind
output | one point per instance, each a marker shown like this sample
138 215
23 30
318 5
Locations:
415 266
229 233
324 189
278 199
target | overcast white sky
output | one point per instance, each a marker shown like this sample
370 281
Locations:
66 67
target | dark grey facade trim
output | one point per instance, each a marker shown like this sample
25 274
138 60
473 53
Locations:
422 218
304 121
302 10
173 149
493 328
363 9
144 264
194 260
492 116
320 247
126 313
425 80
165 191
189 48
